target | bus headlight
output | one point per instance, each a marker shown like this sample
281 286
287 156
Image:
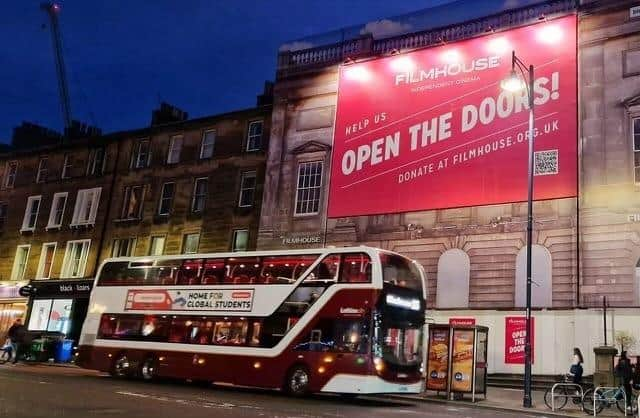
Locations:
379 365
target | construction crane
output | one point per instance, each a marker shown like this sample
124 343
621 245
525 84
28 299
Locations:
53 9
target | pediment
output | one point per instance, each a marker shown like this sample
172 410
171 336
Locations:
310 147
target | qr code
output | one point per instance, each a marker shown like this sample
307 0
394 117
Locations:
545 162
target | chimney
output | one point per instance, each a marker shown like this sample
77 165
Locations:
80 130
167 114
266 98
31 135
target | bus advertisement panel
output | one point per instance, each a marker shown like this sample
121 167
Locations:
436 120
333 320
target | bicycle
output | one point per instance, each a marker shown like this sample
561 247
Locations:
563 393
6 353
607 397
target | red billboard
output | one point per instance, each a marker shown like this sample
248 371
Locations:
515 331
433 129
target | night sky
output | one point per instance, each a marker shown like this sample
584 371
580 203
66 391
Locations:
204 56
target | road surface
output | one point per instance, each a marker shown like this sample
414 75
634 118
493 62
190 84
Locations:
28 391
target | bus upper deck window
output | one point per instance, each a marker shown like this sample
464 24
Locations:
214 271
189 272
356 268
326 270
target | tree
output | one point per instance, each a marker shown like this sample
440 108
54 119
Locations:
625 340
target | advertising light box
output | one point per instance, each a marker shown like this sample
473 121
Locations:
433 129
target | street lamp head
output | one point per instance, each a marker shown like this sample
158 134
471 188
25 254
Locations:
513 83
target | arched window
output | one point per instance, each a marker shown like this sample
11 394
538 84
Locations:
541 288
453 280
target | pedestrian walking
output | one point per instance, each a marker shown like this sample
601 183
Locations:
576 369
16 334
625 373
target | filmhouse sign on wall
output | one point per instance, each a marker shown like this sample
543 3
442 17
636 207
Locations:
433 128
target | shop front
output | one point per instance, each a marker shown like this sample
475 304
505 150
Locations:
57 307
12 307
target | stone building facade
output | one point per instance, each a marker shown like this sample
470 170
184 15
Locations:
189 186
475 257
179 186
53 205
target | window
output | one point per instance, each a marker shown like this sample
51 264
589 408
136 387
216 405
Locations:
309 186
142 154
97 161
199 195
123 247
339 335
46 260
75 258
57 210
10 173
401 272
67 165
3 214
285 269
190 243
41 176
454 271
254 136
157 245
247 189
636 149
20 262
31 213
132 202
541 291
208 143
355 268
240 240
51 315
86 207
166 198
175 148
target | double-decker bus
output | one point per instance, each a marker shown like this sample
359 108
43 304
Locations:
347 320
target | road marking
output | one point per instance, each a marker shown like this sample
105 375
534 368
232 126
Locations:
201 402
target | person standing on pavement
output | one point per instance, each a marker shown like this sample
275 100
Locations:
16 334
625 373
576 369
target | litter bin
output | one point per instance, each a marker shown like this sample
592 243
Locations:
63 351
37 350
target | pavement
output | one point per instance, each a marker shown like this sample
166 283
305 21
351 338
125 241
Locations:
50 390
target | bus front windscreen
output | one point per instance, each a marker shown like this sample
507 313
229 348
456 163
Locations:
400 271
401 344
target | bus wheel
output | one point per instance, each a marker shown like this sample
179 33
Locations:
148 369
121 366
297 383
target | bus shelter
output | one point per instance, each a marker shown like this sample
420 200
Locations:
457 360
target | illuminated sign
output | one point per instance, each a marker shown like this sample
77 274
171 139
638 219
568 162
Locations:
400 302
433 129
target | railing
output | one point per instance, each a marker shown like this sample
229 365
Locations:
565 395
291 62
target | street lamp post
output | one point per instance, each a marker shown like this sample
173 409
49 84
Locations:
515 83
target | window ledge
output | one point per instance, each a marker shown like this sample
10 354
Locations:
85 224
53 227
127 220
27 230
